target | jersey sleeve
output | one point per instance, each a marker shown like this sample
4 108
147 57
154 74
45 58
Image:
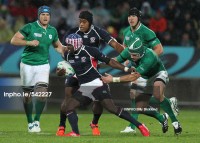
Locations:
151 39
25 30
105 36
95 52
123 56
56 36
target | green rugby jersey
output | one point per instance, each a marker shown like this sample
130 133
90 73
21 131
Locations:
40 54
148 66
146 35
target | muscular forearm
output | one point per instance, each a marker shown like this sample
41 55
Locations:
117 46
129 77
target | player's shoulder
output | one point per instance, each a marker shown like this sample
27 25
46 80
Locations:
50 27
145 28
90 48
127 29
97 29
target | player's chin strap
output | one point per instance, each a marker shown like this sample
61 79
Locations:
138 22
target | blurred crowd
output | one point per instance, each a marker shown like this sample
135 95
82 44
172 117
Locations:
176 22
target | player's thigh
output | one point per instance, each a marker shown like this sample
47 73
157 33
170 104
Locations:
27 75
97 107
159 84
42 73
82 99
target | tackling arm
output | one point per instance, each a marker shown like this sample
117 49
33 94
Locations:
126 78
114 64
117 46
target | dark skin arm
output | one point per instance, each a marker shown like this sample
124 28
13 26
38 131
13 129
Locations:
117 46
117 65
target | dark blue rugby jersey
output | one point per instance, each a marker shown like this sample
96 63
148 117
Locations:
92 38
84 63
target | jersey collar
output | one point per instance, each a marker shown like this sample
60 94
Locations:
91 27
79 50
137 27
41 25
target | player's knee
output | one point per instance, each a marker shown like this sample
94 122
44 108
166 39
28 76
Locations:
41 87
97 108
27 89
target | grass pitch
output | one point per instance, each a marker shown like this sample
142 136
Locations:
13 129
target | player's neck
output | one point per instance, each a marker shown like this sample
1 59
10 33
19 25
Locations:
134 28
42 25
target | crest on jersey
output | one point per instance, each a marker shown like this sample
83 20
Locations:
83 59
50 36
92 40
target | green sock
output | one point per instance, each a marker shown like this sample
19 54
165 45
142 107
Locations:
133 114
39 106
153 100
28 107
155 114
165 105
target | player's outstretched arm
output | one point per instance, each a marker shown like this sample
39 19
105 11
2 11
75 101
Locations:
114 64
126 78
117 46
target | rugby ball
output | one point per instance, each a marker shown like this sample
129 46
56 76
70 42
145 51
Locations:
68 68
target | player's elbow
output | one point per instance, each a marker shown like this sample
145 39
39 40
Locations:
12 41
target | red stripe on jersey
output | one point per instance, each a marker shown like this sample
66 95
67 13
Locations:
94 62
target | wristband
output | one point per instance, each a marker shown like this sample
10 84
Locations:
126 69
27 43
116 79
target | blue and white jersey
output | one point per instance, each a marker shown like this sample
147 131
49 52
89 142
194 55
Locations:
93 37
84 63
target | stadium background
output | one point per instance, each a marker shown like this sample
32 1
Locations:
176 24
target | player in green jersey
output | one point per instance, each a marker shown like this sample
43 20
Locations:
34 67
149 39
155 77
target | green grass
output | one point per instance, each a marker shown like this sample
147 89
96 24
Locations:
13 129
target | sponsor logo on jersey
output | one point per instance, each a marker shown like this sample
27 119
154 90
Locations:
50 36
127 38
71 61
37 35
83 59
76 57
153 41
85 36
92 40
